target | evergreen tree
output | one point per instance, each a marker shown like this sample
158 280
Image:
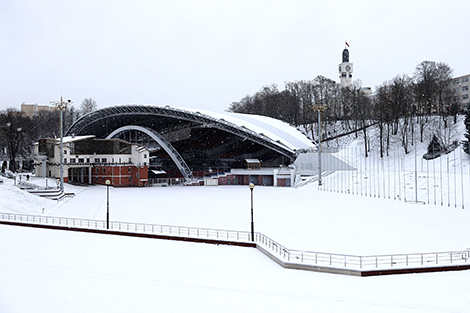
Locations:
466 145
435 149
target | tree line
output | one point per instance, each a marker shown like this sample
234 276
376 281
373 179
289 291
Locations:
18 132
404 106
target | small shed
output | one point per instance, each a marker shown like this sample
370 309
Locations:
253 164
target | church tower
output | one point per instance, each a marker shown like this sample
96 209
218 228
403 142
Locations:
345 69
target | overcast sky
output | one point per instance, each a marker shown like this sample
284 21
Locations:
208 54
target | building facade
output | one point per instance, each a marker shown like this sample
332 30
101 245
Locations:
88 160
32 109
460 87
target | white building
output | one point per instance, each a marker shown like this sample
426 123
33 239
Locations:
89 160
460 86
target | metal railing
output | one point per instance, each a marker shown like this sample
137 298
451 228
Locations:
181 231
363 262
277 250
165 182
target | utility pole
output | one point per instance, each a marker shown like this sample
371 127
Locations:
319 108
62 105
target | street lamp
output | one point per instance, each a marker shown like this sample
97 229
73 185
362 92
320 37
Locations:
319 108
61 105
107 182
252 186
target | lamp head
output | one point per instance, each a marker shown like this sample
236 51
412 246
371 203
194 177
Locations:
107 182
252 186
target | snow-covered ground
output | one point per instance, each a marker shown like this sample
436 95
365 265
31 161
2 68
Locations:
56 271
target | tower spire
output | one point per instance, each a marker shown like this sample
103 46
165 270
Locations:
345 68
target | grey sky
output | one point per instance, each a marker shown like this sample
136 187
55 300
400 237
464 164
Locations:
207 54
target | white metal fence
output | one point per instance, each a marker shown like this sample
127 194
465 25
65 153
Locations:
279 251
363 262
190 232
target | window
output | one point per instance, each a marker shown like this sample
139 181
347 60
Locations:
130 178
129 169
464 88
104 170
103 160
145 156
65 160
81 160
465 79
65 151
465 96
88 160
456 82
97 170
72 160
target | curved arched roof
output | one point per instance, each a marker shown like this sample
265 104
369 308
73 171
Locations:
269 132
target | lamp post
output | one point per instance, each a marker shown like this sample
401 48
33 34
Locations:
252 186
107 182
319 108
62 105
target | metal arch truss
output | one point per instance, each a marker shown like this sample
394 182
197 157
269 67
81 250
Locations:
165 144
93 122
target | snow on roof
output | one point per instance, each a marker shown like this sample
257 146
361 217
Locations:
274 129
158 172
75 138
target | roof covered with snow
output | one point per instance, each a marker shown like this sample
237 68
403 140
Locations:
68 139
274 129
266 131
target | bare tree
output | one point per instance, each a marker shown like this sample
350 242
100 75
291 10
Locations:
15 130
381 106
88 105
70 116
431 79
46 124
